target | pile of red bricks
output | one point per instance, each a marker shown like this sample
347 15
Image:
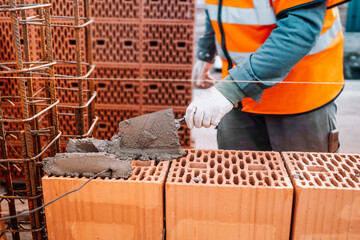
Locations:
143 52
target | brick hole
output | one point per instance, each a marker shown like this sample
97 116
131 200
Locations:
295 156
258 176
181 44
337 177
299 165
331 167
227 164
323 157
188 178
174 175
349 163
212 181
227 174
233 159
318 182
262 160
346 167
277 184
327 185
204 178
322 177
226 154
252 181
271 165
205 158
128 43
219 159
334 162
306 176
219 169
268 156
137 171
243 175
212 173
267 181
260 183
227 182
251 173
342 172
350 182
311 184
355 179
344 185
180 180
235 169
152 171
191 157
212 154
198 154
316 169
212 163
240 155
338 158
242 165
219 179
148 178
244 183
254 155
72 42
305 161
236 180
256 167
274 176
319 161
182 172
247 159
156 178
353 159
142 175
183 162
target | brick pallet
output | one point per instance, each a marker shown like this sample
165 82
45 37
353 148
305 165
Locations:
108 208
215 194
327 195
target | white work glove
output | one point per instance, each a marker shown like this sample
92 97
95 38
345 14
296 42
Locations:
207 109
201 74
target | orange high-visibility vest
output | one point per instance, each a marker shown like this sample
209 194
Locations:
248 23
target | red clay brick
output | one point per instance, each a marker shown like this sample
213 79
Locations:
164 10
327 195
116 9
164 72
108 208
217 194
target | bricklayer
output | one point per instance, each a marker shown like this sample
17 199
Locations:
217 194
108 208
327 195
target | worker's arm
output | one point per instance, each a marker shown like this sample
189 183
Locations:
293 38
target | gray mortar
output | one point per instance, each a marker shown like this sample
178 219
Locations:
87 164
87 145
148 137
152 136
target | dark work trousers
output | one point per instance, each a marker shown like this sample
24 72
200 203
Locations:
306 132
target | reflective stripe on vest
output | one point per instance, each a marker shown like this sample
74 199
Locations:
248 16
321 44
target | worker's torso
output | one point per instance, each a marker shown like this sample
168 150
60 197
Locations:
315 80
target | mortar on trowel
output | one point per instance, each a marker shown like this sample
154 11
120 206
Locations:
152 136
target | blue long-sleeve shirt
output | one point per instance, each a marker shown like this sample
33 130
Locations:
293 38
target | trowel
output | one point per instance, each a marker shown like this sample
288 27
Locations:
150 136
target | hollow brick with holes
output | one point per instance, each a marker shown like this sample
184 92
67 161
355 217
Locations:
327 195
164 10
107 209
217 194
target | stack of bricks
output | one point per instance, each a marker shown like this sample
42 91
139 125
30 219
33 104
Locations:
143 51
327 195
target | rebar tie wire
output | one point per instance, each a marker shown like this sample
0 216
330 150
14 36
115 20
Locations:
55 199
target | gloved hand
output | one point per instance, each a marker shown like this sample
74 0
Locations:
201 74
208 109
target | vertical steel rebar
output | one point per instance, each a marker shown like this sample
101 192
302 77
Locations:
80 114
